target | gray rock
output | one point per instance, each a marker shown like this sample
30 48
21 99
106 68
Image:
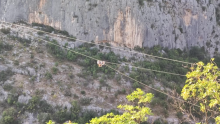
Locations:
24 99
9 82
170 23
3 94
3 68
31 71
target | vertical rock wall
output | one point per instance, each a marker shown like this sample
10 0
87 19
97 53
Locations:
170 23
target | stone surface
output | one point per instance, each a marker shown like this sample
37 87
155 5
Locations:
170 23
24 99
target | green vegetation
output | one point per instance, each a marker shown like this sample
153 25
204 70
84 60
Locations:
25 42
5 75
217 13
50 29
5 30
85 101
54 70
202 87
9 116
141 2
134 114
40 33
90 66
48 75
5 46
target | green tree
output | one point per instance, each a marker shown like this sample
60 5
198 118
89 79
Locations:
134 114
202 87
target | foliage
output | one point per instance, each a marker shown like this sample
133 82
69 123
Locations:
50 29
49 75
5 30
132 114
85 101
7 87
40 33
54 70
5 75
202 85
25 42
9 116
91 68
5 46
54 49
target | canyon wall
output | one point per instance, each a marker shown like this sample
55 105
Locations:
169 23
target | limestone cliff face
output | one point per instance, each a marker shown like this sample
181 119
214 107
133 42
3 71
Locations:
170 23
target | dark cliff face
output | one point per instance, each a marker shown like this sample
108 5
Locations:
173 24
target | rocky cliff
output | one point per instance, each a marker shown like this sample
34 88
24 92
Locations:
144 23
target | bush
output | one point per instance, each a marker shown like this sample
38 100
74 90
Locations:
5 46
61 116
141 2
48 75
55 50
12 99
5 30
43 118
85 101
33 104
123 91
16 62
179 114
160 121
25 42
9 116
54 70
197 52
5 75
83 92
40 33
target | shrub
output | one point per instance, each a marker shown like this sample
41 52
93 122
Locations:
9 116
123 91
5 46
160 121
48 75
197 52
7 87
55 50
5 75
85 101
33 103
12 99
54 70
40 33
179 114
83 92
5 30
141 2
61 115
25 42
43 118
16 62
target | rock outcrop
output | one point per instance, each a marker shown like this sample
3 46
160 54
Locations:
170 23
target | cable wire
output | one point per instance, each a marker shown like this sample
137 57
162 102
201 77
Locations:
117 48
154 88
122 73
107 61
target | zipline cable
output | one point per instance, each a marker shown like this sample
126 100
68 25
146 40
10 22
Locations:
107 61
124 74
154 88
117 48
